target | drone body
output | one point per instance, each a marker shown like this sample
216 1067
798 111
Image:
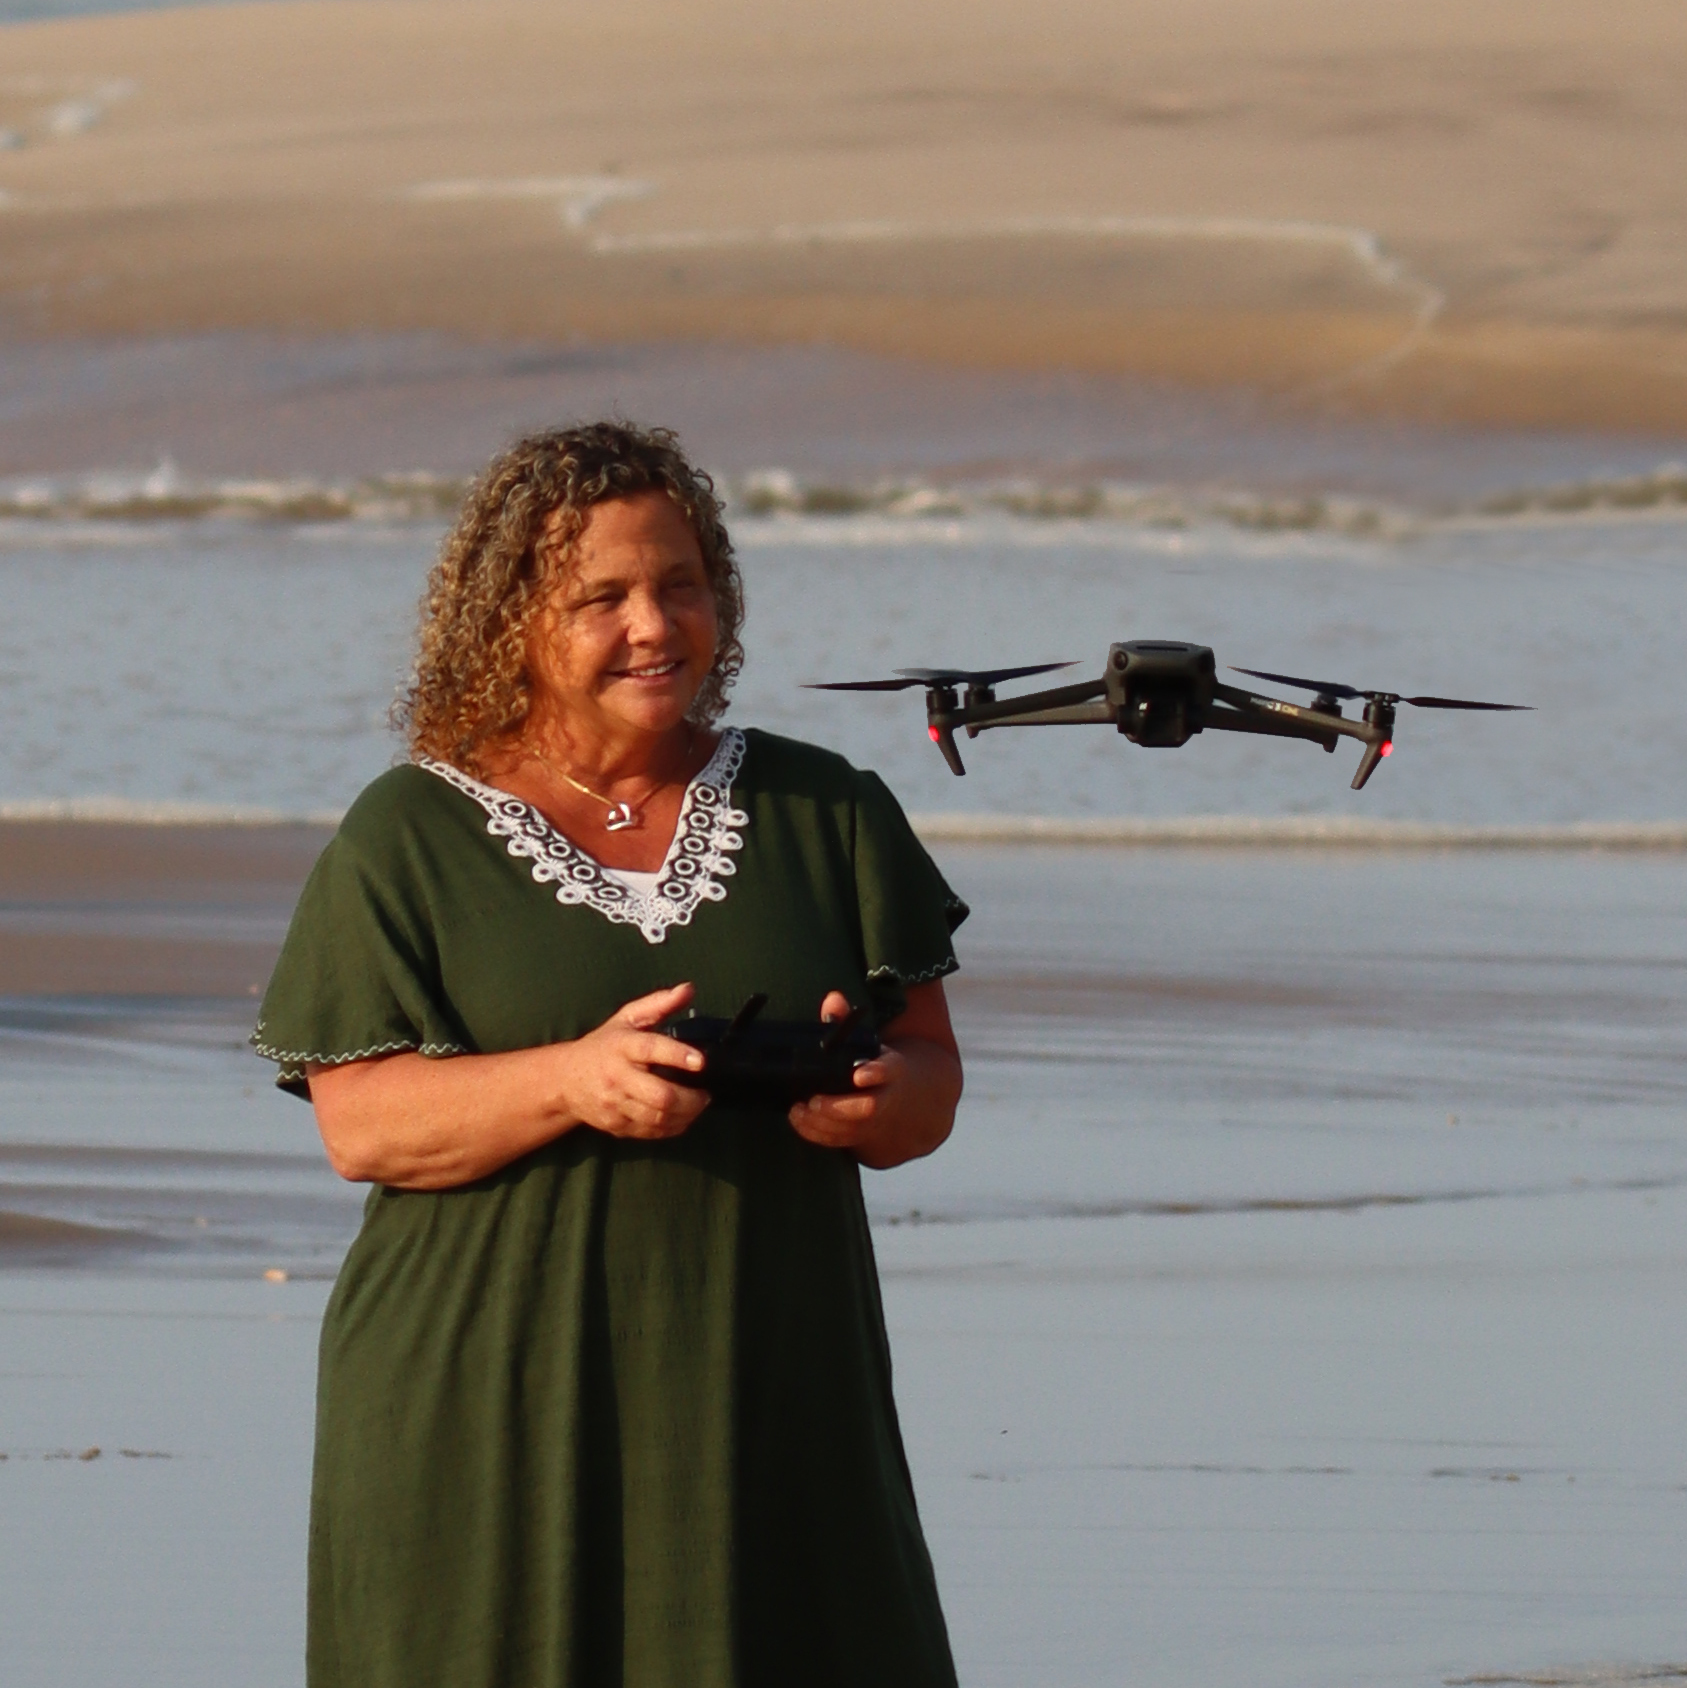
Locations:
1158 693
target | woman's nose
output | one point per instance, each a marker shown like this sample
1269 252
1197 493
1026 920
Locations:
647 617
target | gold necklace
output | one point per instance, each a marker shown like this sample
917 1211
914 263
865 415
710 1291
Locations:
621 816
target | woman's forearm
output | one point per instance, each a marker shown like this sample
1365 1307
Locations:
419 1122
422 1123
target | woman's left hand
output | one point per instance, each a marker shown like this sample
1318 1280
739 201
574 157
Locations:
904 1105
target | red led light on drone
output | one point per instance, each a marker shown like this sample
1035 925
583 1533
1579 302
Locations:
936 735
1387 749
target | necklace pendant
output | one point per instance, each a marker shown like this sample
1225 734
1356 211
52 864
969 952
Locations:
619 818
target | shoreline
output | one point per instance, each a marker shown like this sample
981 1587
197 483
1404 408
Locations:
94 826
174 901
1104 194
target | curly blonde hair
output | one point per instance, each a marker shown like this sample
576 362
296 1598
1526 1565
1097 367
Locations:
512 542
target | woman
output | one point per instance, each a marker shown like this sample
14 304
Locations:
605 1390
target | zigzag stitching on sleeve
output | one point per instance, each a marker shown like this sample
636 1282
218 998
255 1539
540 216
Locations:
948 965
297 1057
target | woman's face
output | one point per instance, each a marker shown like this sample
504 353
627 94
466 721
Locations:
628 637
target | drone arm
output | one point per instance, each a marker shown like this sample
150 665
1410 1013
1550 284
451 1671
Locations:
1377 743
1056 697
1060 715
1060 705
1267 726
1290 720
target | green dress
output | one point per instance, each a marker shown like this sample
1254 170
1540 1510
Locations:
620 1413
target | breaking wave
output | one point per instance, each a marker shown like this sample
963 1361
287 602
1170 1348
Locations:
165 494
775 493
1664 489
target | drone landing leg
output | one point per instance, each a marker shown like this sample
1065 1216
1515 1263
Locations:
944 739
1374 754
1379 717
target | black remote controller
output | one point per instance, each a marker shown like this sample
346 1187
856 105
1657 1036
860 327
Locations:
750 1062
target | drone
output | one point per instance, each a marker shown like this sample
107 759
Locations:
1158 693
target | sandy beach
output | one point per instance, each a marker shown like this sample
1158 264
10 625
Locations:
1449 212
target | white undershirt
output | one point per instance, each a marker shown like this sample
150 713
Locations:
643 883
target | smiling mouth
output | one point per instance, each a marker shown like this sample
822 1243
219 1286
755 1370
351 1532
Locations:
651 671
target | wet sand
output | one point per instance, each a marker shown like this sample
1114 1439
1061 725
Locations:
146 911
1299 1303
1445 212
324 410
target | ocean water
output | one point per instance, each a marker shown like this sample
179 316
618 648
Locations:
243 662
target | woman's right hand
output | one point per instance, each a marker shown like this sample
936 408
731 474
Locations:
606 1075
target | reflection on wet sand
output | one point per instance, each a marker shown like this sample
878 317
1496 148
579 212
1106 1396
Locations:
27 1239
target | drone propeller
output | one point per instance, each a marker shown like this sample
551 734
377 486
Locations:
936 677
1324 688
1461 703
1330 688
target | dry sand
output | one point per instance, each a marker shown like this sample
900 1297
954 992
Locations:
1452 210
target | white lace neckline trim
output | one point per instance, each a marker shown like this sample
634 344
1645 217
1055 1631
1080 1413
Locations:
697 861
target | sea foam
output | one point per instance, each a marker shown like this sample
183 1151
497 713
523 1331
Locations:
777 495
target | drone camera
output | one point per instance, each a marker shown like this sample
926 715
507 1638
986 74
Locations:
1160 690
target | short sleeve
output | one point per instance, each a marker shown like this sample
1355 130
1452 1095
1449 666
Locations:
357 975
908 912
